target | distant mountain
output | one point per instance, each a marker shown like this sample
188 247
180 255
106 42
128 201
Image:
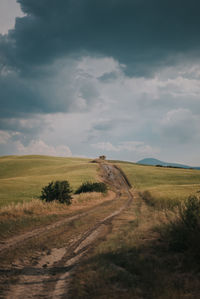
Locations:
152 161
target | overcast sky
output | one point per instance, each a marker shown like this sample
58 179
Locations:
91 77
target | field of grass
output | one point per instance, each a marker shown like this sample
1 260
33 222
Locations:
134 261
22 177
164 184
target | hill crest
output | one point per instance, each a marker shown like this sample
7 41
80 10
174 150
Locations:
154 162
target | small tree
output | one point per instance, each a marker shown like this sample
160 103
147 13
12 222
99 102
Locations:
59 190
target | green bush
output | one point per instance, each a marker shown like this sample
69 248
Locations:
59 190
92 187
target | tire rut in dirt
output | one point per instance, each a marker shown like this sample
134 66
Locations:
51 276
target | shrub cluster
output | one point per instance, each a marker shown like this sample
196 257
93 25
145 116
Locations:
59 190
92 187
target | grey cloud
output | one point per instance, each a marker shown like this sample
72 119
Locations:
24 129
40 74
109 77
112 123
103 125
89 92
18 96
181 126
137 33
57 89
140 34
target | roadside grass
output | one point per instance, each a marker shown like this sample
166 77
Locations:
135 261
22 217
167 186
60 237
166 203
22 177
183 233
29 252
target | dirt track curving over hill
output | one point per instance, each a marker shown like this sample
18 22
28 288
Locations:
50 276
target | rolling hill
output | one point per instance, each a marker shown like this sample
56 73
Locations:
153 162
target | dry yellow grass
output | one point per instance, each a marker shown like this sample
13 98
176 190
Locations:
38 207
16 218
35 206
164 184
134 261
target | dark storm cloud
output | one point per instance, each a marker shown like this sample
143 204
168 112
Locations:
25 96
18 97
142 34
139 33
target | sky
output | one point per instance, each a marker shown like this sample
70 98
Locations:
91 77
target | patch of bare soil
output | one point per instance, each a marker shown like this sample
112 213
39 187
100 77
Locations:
50 275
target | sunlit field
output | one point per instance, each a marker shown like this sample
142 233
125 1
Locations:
22 177
163 183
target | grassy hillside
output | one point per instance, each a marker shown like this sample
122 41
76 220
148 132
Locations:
163 183
149 252
22 177
146 253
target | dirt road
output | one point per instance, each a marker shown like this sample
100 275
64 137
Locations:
50 276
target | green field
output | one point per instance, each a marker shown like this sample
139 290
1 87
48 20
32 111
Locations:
136 258
22 177
163 183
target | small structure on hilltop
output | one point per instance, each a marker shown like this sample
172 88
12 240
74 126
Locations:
102 157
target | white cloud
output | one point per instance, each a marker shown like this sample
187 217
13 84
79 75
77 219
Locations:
97 67
105 146
9 10
177 116
137 146
39 147
7 136
4 137
131 146
163 111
